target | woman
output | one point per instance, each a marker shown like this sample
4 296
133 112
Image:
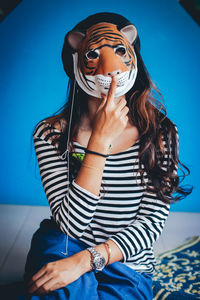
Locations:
108 165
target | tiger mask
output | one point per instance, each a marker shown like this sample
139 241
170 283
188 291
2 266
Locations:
102 52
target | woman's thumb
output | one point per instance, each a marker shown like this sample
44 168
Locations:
103 102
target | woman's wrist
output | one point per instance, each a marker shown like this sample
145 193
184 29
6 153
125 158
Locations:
109 250
84 258
99 144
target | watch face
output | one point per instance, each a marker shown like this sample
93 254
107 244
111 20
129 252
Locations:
99 263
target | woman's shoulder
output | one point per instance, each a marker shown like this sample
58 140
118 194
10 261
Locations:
49 129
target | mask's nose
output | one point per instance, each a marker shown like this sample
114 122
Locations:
117 72
109 63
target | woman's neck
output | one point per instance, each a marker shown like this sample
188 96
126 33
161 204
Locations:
93 105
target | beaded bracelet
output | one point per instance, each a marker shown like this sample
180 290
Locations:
96 153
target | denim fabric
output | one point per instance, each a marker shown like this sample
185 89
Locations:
115 282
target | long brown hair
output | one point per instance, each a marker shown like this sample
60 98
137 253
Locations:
158 135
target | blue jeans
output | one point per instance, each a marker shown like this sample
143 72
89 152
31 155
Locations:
115 282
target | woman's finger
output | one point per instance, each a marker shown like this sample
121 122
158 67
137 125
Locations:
48 286
36 276
104 99
39 283
103 96
53 284
121 104
111 92
124 111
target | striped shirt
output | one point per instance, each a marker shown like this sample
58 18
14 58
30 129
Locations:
123 212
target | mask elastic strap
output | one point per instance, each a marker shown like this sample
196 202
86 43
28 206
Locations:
63 157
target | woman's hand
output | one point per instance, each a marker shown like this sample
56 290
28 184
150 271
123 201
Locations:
60 273
111 117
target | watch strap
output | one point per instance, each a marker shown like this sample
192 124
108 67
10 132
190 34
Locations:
94 253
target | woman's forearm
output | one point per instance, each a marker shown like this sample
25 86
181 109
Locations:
62 272
91 171
109 122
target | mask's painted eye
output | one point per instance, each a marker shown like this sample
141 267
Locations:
92 54
120 50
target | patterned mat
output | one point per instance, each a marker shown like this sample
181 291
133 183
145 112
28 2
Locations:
177 275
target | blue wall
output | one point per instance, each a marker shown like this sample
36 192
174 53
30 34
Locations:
33 83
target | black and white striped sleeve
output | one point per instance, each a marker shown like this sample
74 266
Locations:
149 223
72 206
145 230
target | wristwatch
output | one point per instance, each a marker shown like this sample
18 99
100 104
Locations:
98 262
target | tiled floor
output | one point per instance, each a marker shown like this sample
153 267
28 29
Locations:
18 223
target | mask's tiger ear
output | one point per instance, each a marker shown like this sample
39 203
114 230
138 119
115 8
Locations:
130 33
74 38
